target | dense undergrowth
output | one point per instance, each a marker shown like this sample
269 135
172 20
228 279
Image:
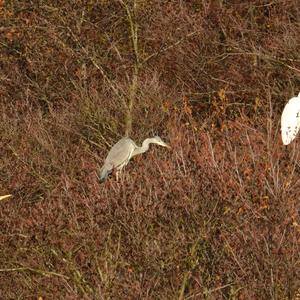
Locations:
215 217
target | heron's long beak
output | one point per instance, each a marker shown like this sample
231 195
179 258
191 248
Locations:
4 197
166 145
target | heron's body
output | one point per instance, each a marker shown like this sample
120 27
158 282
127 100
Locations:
290 120
120 154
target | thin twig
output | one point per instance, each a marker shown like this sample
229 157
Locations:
209 291
41 272
164 49
271 58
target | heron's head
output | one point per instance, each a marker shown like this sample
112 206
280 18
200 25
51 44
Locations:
160 142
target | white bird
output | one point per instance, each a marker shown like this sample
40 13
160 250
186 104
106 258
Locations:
290 120
120 154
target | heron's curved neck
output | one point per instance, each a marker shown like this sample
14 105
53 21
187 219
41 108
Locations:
145 146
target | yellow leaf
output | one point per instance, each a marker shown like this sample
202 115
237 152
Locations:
222 94
257 103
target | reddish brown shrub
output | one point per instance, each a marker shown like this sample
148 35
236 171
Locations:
216 217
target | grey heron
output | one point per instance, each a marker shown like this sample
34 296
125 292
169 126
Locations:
120 154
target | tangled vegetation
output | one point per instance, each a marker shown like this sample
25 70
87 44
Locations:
216 217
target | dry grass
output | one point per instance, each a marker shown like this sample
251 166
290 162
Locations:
216 217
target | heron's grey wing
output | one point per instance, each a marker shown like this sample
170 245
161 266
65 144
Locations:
117 157
120 153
